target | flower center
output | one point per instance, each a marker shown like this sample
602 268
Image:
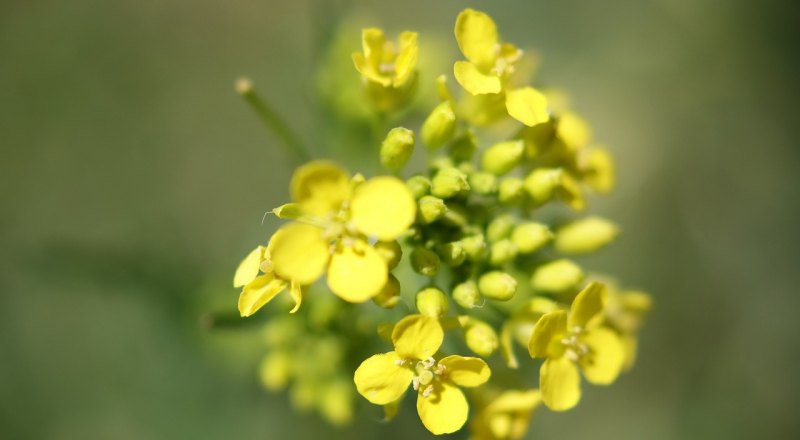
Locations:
425 373
575 349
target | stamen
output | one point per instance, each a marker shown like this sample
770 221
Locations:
427 391
415 383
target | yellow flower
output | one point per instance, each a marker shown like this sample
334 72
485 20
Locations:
574 341
506 417
489 65
442 406
337 218
624 312
385 63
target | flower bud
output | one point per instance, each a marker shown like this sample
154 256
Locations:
463 147
599 172
289 211
389 296
449 182
466 294
418 185
452 254
438 128
397 148
439 162
432 302
390 251
502 157
530 237
276 370
474 246
541 184
424 261
557 276
431 209
480 337
497 285
510 190
585 235
483 183
500 228
502 252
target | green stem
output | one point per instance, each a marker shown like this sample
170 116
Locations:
272 120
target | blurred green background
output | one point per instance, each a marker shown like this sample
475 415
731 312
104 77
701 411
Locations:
133 179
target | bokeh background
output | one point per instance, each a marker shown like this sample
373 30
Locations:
133 179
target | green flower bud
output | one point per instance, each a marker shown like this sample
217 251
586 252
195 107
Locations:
397 148
466 295
483 183
510 190
289 211
431 209
439 162
502 157
463 147
502 252
432 302
390 251
541 184
449 182
424 261
557 276
500 228
585 235
452 254
303 395
474 246
440 125
418 185
389 296
497 285
480 337
530 237
276 370
336 403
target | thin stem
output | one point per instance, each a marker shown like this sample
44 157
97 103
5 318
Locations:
244 86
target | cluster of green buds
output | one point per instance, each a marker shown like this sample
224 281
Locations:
456 268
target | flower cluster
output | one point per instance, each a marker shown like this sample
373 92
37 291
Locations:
460 267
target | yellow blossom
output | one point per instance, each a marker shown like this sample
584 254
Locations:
388 68
575 341
625 312
442 406
506 417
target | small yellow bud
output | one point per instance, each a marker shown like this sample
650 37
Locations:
541 184
432 302
389 296
474 246
418 185
449 182
439 162
480 337
452 254
390 251
466 295
530 237
397 148
502 252
483 183
463 147
497 285
599 174
276 370
424 261
502 157
585 235
440 125
431 209
289 211
557 276
510 190
500 228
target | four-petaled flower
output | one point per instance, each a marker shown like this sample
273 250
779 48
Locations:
385 63
442 406
506 417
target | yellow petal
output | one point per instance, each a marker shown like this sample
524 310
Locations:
515 401
606 356
372 43
383 207
357 273
573 131
630 344
476 34
296 291
320 187
559 382
527 105
547 332
381 380
586 305
445 410
465 371
406 60
259 292
248 268
299 253
474 81
417 337
600 170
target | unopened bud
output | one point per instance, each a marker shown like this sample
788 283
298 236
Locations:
585 235
463 147
480 337
418 185
599 174
466 295
449 182
289 211
275 370
431 209
397 148
474 246
502 157
497 285
541 184
510 190
483 183
390 251
530 237
432 302
502 252
438 128
557 276
499 228
389 296
452 254
424 261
